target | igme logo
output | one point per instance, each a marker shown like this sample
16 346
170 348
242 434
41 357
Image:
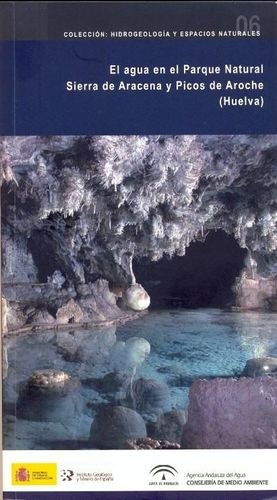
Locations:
163 475
67 475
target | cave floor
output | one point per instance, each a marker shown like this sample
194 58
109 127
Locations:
185 345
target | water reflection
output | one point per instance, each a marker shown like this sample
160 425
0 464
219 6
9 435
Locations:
146 366
255 331
129 355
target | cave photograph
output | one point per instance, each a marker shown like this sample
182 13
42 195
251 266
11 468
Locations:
139 292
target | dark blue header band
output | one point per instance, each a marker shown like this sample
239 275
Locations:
34 99
49 20
161 495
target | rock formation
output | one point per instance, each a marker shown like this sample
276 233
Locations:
150 444
260 366
70 312
75 208
136 297
49 396
149 396
170 425
114 425
256 292
232 413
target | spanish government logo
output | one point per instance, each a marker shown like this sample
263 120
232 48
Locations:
34 474
22 475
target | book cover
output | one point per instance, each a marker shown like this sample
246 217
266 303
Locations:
138 152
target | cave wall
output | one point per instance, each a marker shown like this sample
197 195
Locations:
254 292
78 204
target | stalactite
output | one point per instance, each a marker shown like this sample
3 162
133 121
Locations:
156 196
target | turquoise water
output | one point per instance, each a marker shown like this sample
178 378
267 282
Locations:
184 345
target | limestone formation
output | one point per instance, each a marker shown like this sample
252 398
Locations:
256 292
232 413
149 396
71 312
41 317
49 396
49 380
170 425
150 444
114 425
16 317
112 382
260 366
136 297
88 201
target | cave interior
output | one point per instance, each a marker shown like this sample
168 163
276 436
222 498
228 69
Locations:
203 277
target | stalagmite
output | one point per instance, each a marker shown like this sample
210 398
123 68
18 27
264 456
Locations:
135 296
